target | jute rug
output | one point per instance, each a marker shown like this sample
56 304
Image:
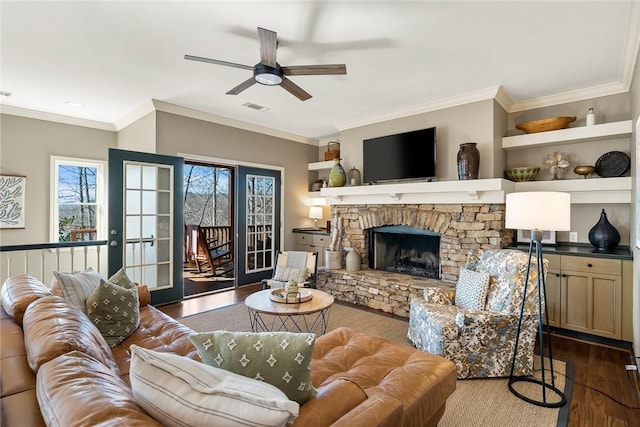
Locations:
485 402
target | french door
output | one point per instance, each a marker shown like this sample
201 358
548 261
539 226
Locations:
145 221
258 223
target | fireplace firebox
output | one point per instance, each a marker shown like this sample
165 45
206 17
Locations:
405 249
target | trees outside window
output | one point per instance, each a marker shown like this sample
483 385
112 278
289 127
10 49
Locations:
78 199
207 195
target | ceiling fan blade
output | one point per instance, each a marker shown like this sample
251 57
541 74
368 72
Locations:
294 89
242 86
268 46
314 70
218 62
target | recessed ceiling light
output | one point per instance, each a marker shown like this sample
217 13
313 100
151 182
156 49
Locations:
74 104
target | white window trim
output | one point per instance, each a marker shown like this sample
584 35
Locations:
101 194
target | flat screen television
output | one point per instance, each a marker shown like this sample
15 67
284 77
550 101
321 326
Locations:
400 157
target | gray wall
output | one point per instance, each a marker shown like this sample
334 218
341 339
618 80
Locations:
472 122
139 135
26 148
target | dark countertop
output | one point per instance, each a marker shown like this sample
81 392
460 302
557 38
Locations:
321 231
582 249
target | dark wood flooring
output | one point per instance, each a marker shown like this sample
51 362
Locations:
604 392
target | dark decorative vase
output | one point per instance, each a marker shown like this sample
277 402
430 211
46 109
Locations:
604 236
468 161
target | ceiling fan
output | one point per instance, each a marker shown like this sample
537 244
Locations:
269 72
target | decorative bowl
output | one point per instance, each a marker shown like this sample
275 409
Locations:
521 174
585 171
544 125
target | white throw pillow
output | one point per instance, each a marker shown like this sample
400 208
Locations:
472 289
77 286
284 274
178 391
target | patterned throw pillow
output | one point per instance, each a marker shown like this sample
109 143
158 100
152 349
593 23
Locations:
472 289
115 311
284 274
179 391
282 359
121 279
76 287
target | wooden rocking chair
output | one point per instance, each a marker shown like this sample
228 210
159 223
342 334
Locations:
209 255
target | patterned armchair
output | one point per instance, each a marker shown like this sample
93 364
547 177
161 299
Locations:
481 342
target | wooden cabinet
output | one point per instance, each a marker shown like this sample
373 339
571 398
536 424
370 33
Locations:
584 294
312 242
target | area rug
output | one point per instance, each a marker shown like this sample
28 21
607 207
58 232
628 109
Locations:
478 402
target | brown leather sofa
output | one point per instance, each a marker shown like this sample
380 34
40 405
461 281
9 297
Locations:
361 380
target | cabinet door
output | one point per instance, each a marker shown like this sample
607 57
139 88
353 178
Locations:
576 301
553 283
606 310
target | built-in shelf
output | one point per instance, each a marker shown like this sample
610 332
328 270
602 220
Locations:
583 191
319 166
590 190
569 136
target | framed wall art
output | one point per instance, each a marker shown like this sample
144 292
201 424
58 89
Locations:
548 237
12 196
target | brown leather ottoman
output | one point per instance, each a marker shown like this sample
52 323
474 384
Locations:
421 382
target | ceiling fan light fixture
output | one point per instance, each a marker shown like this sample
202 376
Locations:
268 76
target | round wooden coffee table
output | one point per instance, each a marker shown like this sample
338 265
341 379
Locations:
310 316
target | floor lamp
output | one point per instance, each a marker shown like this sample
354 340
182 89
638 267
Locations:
537 211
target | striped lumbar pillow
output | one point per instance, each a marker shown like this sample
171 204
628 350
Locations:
177 391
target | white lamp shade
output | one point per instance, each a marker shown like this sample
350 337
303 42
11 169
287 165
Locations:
538 210
315 212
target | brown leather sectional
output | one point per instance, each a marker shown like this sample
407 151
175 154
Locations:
361 380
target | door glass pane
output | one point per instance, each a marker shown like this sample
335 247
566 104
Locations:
149 202
149 177
133 227
132 202
146 257
259 214
132 176
149 227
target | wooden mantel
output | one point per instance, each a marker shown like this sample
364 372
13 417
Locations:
494 190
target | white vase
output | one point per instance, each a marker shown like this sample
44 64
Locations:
353 260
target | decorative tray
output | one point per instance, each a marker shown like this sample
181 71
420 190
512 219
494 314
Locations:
545 125
279 295
612 164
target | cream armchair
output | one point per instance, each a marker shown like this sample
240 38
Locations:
481 341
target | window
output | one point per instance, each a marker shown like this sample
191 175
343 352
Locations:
78 199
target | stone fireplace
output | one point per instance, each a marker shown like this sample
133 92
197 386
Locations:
460 227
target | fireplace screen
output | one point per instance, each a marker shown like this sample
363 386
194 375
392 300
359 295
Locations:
404 249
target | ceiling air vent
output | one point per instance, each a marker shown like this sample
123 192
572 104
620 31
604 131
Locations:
254 106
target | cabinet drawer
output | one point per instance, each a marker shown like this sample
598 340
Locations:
303 238
592 265
319 239
554 260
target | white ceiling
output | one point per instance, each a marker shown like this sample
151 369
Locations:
114 57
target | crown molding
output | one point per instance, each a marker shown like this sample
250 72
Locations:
440 104
166 107
57 118
571 96
631 45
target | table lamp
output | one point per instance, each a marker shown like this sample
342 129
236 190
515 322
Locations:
315 213
538 211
